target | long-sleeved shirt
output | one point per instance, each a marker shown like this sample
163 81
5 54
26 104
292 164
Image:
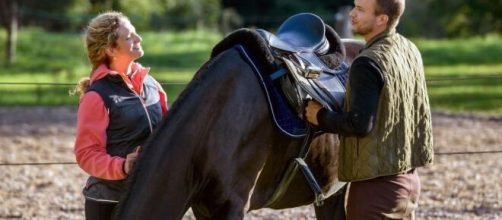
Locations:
366 80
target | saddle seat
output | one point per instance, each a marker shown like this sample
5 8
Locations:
301 33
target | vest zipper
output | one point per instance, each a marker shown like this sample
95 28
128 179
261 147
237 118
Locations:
147 114
357 147
144 107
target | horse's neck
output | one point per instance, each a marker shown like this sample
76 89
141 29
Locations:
219 120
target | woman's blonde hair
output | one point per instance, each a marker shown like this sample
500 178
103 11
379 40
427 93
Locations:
101 32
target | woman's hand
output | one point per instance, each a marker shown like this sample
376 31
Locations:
131 160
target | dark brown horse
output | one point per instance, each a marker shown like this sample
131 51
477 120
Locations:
219 153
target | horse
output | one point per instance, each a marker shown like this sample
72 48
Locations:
219 153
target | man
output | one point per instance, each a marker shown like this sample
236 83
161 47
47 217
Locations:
385 128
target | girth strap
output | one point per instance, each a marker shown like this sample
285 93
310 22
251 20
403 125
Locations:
319 195
292 169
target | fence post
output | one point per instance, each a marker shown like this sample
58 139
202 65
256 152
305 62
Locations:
343 26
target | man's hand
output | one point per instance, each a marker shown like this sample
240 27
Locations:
311 111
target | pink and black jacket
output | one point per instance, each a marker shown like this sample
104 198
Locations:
116 115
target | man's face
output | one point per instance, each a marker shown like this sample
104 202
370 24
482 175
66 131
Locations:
363 16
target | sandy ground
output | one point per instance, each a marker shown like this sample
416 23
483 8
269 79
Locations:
459 186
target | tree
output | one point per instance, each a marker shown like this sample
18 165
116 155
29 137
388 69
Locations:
54 15
98 6
186 14
270 13
461 18
9 12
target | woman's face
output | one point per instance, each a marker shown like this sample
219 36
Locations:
128 45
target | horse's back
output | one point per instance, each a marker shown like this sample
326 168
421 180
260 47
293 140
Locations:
352 48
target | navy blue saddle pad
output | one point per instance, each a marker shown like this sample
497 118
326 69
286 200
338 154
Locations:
284 116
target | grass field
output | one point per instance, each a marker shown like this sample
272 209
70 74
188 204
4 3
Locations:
463 74
60 58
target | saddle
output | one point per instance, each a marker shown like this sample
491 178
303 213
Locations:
304 60
301 44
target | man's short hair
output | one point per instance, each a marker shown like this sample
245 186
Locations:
392 8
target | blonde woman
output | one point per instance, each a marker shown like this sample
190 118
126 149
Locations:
120 106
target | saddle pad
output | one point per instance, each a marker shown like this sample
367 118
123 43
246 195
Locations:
283 115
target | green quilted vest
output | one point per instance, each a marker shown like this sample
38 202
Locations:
401 138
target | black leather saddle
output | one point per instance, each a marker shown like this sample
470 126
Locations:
300 43
301 33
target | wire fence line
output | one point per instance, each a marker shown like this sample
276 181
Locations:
68 84
460 78
467 152
429 79
38 163
74 163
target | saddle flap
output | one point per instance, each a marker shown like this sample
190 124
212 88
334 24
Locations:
328 89
332 88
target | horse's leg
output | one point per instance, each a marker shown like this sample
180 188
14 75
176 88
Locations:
333 207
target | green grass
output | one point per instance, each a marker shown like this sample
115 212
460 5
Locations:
174 57
60 58
476 63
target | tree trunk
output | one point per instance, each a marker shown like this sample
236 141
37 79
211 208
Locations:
11 24
343 26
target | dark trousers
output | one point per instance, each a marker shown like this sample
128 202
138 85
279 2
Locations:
98 210
388 197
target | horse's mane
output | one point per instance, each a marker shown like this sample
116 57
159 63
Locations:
196 81
254 44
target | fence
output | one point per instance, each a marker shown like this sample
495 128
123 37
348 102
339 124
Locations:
47 93
74 163
429 80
